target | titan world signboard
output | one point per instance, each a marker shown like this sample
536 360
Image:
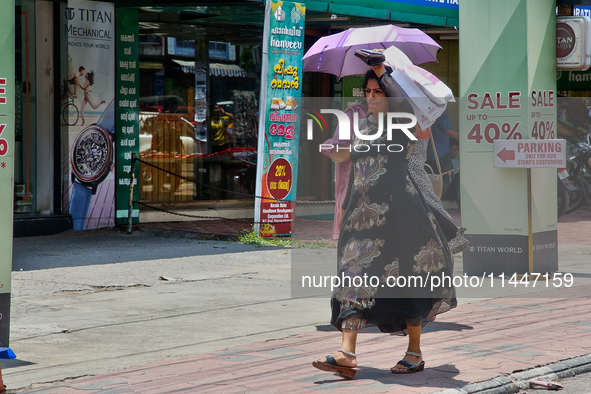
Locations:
88 113
573 44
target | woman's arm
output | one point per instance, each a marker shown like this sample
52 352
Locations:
379 70
398 101
229 115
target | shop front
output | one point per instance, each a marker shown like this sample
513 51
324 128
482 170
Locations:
198 70
200 81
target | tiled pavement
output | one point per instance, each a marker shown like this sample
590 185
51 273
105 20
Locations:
474 342
575 228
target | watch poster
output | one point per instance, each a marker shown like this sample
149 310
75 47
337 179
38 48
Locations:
127 114
279 127
87 113
6 161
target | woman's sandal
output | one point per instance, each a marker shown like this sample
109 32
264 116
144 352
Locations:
331 365
411 367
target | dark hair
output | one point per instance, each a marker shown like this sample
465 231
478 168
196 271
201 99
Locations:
212 107
453 141
91 77
370 74
80 69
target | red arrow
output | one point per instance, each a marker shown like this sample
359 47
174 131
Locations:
506 155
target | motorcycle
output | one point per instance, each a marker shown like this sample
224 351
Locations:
562 196
576 178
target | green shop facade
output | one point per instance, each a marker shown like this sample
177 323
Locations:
175 83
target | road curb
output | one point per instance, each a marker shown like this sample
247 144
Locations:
517 381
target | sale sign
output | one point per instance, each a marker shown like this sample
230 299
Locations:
508 106
6 161
490 117
279 124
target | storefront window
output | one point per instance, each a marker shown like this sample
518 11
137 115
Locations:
25 147
198 110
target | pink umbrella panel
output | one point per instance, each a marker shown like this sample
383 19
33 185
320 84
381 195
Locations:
335 54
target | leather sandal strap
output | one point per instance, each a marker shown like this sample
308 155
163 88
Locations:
407 364
330 360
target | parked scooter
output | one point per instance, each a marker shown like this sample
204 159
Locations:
576 176
562 196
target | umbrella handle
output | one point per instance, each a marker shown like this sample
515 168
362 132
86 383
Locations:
320 60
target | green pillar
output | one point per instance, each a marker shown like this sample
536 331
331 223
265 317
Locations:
507 54
6 161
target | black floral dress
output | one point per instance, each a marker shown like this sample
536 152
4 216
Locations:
390 246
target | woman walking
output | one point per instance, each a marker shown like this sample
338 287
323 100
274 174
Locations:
416 166
87 97
388 235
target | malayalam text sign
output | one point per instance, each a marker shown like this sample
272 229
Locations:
529 153
279 128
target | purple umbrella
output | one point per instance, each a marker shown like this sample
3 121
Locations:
335 54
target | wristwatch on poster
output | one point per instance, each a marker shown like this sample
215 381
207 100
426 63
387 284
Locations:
92 153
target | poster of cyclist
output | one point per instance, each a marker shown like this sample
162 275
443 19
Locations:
87 113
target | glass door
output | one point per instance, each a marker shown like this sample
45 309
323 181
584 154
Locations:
25 146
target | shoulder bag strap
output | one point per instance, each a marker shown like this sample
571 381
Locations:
435 153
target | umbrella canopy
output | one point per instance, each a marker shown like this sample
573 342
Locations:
335 54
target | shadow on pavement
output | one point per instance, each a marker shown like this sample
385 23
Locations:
110 246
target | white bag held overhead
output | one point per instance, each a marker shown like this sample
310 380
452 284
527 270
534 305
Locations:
433 88
427 82
425 110
428 95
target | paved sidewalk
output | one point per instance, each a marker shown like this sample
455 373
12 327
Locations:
474 342
479 340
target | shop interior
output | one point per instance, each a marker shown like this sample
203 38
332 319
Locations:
199 88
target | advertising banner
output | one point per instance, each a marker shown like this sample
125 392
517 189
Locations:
6 161
573 44
127 113
448 4
279 124
573 80
352 92
582 10
509 212
88 113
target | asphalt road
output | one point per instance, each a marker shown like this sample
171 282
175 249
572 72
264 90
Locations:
580 384
90 302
